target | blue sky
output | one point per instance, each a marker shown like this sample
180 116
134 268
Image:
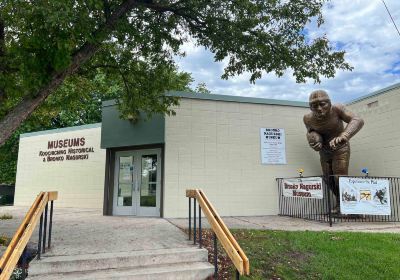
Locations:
360 27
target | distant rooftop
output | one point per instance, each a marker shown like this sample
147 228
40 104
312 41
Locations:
254 100
227 98
375 93
240 99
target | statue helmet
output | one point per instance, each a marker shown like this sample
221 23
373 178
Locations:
319 95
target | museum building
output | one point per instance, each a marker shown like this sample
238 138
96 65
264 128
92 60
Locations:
232 147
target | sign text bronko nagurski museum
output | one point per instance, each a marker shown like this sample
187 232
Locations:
303 187
66 149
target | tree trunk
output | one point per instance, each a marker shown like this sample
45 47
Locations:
2 37
25 108
2 53
20 112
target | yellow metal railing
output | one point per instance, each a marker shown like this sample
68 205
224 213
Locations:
228 242
24 232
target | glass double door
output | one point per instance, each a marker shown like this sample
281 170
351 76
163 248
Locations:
137 183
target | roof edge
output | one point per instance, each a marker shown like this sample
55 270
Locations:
373 94
223 97
60 130
238 99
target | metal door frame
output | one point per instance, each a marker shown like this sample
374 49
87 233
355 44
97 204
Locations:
136 209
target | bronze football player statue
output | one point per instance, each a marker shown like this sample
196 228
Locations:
327 135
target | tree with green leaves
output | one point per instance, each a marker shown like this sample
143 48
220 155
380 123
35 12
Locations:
77 102
44 43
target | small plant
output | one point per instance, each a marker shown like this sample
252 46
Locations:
4 241
17 274
6 217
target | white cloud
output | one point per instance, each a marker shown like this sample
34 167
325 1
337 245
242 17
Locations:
362 28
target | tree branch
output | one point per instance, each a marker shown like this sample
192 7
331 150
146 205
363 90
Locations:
2 62
104 66
25 108
106 8
126 85
179 11
2 37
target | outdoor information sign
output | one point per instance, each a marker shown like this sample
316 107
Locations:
303 187
364 196
273 146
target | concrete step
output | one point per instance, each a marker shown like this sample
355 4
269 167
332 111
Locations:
90 262
178 271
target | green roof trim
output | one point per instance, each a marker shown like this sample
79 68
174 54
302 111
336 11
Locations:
61 130
226 98
116 132
239 99
375 93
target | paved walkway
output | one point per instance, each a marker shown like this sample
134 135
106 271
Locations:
84 231
87 231
87 245
294 224
93 245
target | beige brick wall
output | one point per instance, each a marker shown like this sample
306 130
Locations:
215 145
80 183
377 145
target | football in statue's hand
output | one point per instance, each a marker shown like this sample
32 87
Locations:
314 137
315 140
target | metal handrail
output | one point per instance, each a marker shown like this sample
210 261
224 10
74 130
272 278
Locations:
221 231
17 247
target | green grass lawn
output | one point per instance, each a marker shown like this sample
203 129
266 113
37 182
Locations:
320 255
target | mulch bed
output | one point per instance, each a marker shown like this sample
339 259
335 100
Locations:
226 268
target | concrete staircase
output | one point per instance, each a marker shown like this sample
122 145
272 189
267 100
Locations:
181 263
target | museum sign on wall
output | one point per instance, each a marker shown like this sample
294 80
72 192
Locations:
364 196
273 146
67 160
66 150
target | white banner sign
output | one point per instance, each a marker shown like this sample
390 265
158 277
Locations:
273 146
303 187
364 196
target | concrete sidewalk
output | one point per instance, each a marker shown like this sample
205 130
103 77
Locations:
294 224
87 245
86 231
